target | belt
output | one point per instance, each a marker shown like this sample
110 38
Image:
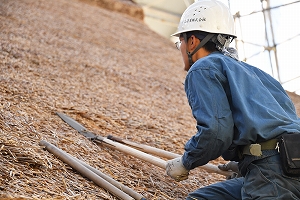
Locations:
256 149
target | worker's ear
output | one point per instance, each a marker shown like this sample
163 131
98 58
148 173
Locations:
192 43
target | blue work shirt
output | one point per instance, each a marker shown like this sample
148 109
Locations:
234 104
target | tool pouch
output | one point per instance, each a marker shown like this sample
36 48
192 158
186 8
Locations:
290 153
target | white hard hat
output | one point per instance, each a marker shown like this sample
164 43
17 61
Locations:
210 16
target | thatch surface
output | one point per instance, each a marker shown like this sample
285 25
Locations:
128 7
108 71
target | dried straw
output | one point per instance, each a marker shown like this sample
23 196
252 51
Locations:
108 71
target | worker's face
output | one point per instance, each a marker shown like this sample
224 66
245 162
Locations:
181 45
184 48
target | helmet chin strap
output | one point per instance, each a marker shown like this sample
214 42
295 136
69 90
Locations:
202 43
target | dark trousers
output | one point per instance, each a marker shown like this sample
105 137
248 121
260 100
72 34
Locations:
264 180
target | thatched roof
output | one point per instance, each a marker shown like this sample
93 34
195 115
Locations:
108 71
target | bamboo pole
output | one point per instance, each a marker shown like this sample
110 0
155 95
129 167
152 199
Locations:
122 187
85 171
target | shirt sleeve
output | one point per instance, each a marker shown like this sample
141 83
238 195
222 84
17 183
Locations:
206 91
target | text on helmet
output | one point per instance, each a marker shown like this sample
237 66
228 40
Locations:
200 19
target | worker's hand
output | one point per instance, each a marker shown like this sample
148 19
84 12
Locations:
231 166
176 170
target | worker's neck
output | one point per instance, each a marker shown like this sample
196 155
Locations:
201 53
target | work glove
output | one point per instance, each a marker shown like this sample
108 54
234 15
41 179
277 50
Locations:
176 170
231 166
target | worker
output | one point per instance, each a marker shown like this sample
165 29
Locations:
240 112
